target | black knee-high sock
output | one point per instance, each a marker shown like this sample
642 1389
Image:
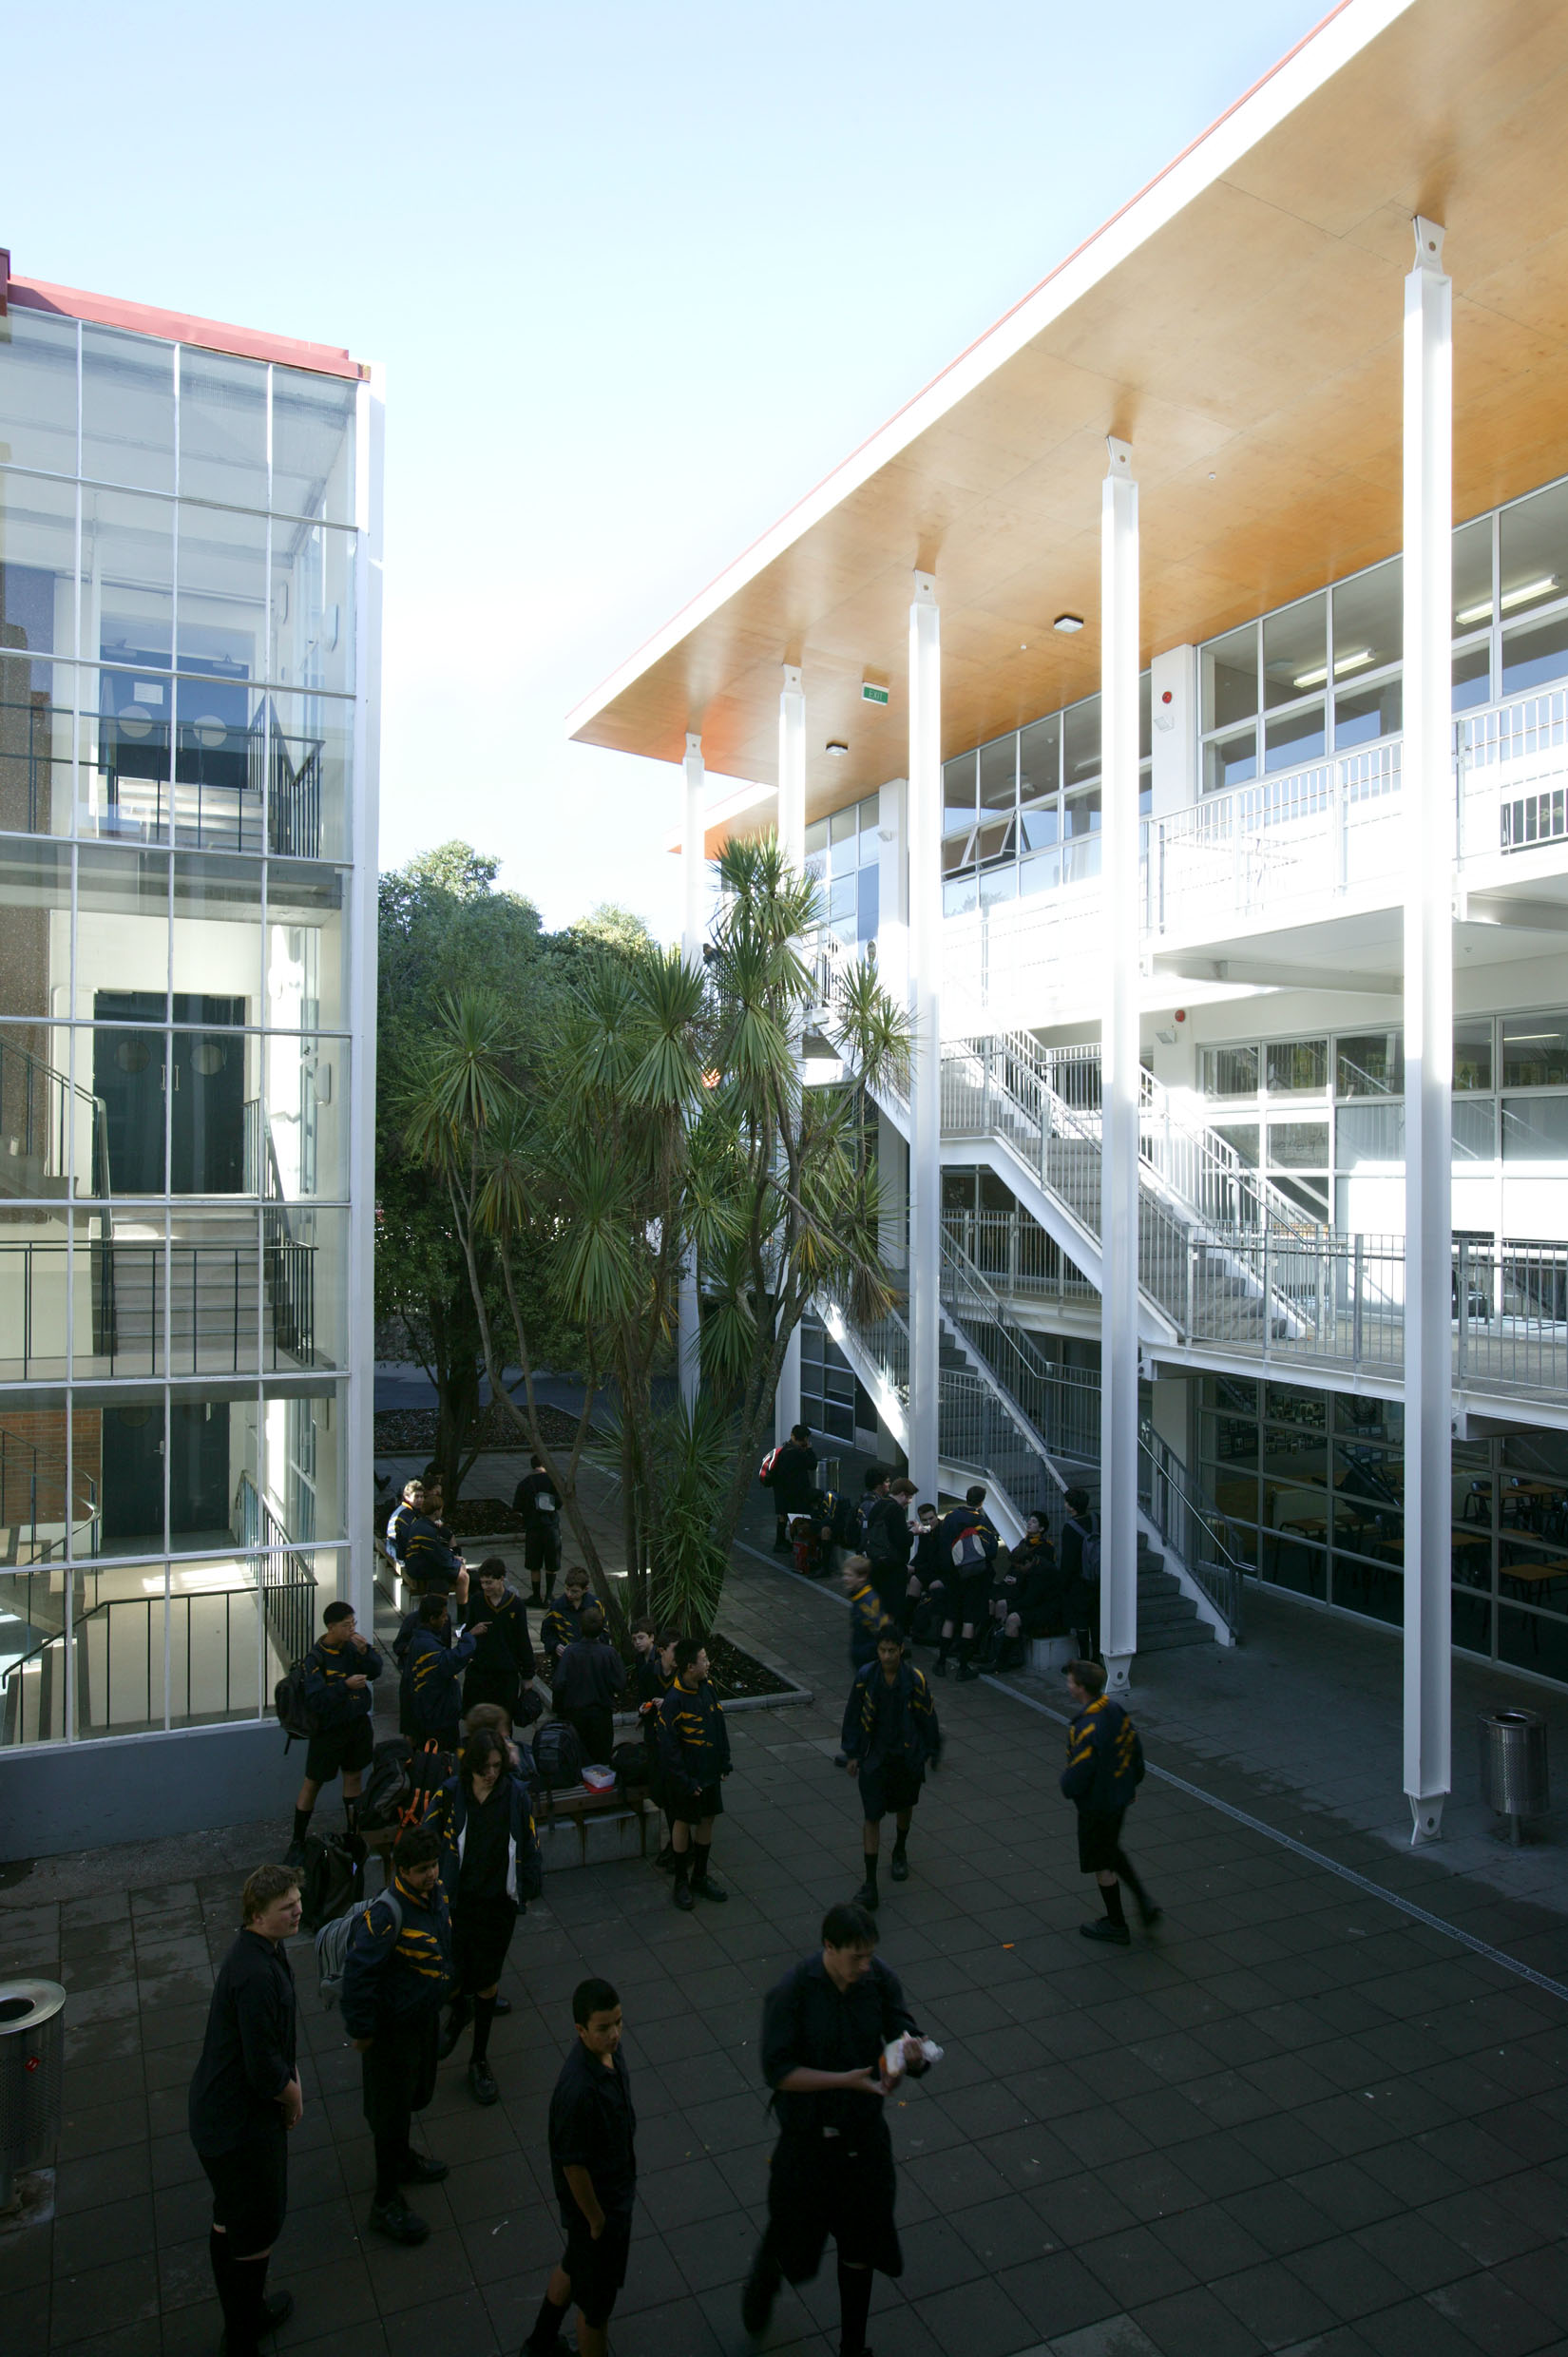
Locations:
901 1836
1111 1893
546 2328
388 2160
684 1865
700 1851
1129 1876
251 2275
301 1823
237 2324
944 1649
484 2014
869 1861
855 2305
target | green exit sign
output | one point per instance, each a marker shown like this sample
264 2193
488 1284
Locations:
870 694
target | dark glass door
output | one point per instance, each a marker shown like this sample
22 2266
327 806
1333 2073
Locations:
133 1476
130 1074
207 1121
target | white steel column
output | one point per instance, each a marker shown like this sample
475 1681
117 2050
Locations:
693 867
1119 1084
1428 798
924 945
791 838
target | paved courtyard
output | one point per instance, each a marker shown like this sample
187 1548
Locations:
1296 2119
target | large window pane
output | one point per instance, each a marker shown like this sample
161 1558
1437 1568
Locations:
222 592
133 1446
307 948
1295 651
1474 1130
222 428
1363 715
218 937
1472 576
217 802
1229 1071
126 755
215 1305
313 437
1081 747
127 410
1369 1064
959 796
1473 1052
1230 678
117 1327
1369 1135
299 1480
1535 1051
1472 676
34 1295
1369 621
37 577
1298 1145
35 744
36 939
1040 759
1298 1067
44 1496
1295 737
127 579
1532 658
998 775
312 612
304 1323
1230 760
38 392
1532 551
122 936
1535 1129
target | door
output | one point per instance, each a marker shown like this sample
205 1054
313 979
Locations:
207 1117
132 1496
199 1470
130 1074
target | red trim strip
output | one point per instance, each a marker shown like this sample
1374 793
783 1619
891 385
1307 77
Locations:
181 327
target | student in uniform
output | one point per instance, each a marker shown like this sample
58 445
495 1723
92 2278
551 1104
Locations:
1034 1595
655 1676
825 2028
561 1624
792 1478
928 1567
1081 1568
867 1612
396 1974
694 1757
589 1676
884 1511
490 1868
429 1701
410 1505
429 1561
504 1658
244 2098
339 1669
1103 1772
971 1538
593 2167
537 1499
891 1737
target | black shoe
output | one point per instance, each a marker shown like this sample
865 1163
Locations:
1149 1916
901 1867
757 2296
397 2222
294 1857
482 2083
682 1897
274 2311
865 1896
456 2023
965 1671
666 1860
419 2169
706 1888
503 2005
939 1667
1116 1935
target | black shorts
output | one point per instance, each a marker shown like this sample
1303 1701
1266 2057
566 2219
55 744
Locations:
542 1544
819 2186
685 1808
349 1746
398 2073
596 2270
1099 1840
973 1599
250 2190
481 1933
889 1789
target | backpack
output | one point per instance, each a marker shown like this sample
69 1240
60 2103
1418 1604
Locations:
631 1763
1088 1569
842 1517
332 1943
557 1755
331 1878
387 1786
975 1549
430 1768
288 1700
769 1464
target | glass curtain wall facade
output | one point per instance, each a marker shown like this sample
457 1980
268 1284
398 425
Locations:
180 669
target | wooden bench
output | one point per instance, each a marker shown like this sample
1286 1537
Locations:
575 1806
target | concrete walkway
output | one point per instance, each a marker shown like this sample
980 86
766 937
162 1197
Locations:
1296 2119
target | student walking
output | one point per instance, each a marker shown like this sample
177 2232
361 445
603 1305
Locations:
244 2098
891 1737
1103 1772
694 1756
593 2169
490 1868
504 1658
537 1499
825 2026
340 1670
589 1676
397 1970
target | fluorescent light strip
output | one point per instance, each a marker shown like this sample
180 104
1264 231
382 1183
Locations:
1510 596
1341 664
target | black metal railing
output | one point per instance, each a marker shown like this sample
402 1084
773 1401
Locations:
288 1584
217 1321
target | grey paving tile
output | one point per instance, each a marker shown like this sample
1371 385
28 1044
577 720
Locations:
1494 2316
1195 2323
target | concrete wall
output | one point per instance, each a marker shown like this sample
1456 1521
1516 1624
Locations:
137 1787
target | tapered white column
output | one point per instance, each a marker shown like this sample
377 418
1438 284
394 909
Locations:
924 940
791 838
1427 791
1120 1082
692 878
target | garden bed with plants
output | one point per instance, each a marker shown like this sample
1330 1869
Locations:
411 1431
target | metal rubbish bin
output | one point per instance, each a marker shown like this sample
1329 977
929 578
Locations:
33 2077
1513 1766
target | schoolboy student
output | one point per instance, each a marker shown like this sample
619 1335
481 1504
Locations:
593 2167
1035 1594
694 1756
489 1869
589 1676
340 1670
1103 1772
537 1499
891 1737
504 1658
397 1970
867 1612
561 1623
410 1503
929 1567
429 1559
972 1541
429 1701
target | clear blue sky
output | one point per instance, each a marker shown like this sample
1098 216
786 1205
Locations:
640 274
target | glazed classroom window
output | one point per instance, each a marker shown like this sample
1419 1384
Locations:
843 860
1022 815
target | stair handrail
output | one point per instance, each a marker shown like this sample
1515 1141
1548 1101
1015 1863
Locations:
1033 1388
1217 1571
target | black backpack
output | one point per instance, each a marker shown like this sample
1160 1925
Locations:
558 1755
332 1879
632 1764
288 1700
387 1786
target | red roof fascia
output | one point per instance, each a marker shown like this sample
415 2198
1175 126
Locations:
180 327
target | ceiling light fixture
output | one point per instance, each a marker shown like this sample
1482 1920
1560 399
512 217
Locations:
1068 623
1510 596
835 747
1341 664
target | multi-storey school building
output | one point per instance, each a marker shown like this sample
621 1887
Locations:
1173 698
189 622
